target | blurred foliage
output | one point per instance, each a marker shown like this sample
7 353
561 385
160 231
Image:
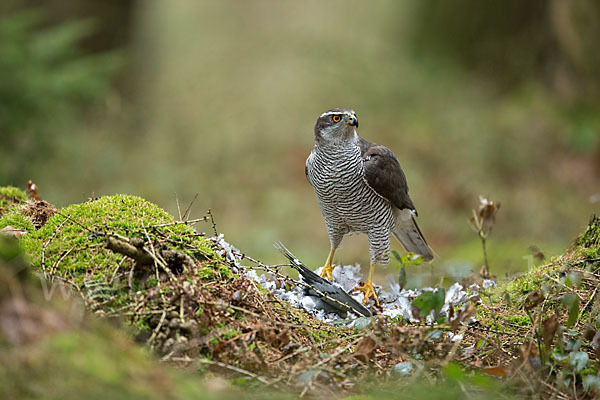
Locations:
45 81
513 42
552 43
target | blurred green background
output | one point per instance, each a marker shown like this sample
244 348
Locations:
159 98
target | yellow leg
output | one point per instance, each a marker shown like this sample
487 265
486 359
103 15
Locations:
328 268
368 289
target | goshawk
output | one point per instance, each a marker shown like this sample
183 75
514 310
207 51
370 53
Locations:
361 188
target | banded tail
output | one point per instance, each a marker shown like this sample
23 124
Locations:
408 233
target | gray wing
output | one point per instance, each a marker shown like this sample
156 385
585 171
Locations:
384 175
343 301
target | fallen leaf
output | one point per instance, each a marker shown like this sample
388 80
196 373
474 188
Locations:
537 253
533 299
365 349
12 231
500 370
550 325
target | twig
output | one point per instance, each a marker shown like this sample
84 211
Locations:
187 210
43 261
120 263
62 257
178 209
454 348
212 221
586 306
155 332
188 222
555 390
130 280
75 221
563 285
236 369
336 354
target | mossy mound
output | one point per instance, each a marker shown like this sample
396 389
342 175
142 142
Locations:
56 350
52 349
546 321
72 243
9 197
14 218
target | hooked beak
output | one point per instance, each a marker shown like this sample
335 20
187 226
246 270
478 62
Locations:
353 121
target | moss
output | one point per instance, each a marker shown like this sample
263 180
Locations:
230 333
591 236
16 220
98 362
586 252
527 282
521 320
10 196
73 244
129 216
206 273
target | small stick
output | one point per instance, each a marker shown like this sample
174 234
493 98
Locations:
236 369
212 221
187 210
178 209
43 261
188 222
65 254
155 332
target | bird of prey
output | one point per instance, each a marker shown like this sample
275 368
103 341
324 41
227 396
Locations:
361 188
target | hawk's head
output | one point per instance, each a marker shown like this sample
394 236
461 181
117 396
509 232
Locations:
336 124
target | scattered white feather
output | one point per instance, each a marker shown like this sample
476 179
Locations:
394 301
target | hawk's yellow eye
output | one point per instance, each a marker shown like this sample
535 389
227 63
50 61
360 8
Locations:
336 118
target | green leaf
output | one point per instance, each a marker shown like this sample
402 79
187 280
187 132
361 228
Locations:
591 381
570 301
578 360
454 372
361 323
403 368
430 300
574 278
402 277
408 259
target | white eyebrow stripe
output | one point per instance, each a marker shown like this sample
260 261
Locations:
335 112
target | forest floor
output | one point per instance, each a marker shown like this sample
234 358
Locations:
116 296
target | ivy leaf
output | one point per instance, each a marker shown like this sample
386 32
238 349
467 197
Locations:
430 300
408 259
403 368
578 360
570 301
402 277
591 381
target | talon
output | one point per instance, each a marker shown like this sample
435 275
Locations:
329 266
369 291
327 270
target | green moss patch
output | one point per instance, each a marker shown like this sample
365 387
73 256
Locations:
15 219
72 242
591 236
546 321
11 196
